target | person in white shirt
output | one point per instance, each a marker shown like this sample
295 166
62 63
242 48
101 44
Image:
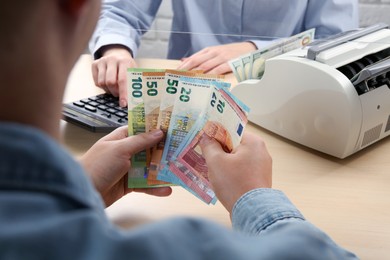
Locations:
207 34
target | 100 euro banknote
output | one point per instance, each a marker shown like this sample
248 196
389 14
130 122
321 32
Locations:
136 124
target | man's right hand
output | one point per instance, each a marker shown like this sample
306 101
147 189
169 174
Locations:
110 71
233 174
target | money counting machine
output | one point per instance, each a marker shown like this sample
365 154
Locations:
332 96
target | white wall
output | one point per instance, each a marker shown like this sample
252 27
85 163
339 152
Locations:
155 44
374 11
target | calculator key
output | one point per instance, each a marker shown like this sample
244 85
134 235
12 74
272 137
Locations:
111 104
121 121
102 107
120 114
85 101
101 100
111 111
110 98
78 103
93 103
90 108
94 98
123 109
101 95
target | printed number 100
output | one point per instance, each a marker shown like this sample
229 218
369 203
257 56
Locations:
137 87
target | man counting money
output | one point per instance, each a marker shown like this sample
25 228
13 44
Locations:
52 207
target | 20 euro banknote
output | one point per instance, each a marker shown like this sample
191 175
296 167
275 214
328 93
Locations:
170 91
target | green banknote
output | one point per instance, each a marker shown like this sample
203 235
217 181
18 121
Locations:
238 69
252 65
279 47
137 175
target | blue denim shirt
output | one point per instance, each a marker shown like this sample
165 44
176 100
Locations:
50 210
219 22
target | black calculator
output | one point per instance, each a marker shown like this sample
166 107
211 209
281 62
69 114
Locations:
100 113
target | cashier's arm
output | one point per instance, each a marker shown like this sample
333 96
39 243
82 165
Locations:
109 71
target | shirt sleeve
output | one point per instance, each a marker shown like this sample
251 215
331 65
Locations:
260 208
260 44
268 214
123 22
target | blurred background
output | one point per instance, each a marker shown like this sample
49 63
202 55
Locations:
155 42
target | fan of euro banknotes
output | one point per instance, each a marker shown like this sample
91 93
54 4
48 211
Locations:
252 65
186 106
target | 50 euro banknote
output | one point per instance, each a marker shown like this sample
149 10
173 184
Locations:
153 86
224 121
170 91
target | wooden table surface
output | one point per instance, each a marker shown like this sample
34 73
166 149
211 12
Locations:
349 199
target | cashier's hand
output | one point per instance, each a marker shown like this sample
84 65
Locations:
109 72
108 161
233 174
214 60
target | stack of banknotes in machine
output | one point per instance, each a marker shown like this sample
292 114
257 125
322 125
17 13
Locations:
252 65
185 106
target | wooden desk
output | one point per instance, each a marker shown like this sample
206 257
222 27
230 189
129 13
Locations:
349 199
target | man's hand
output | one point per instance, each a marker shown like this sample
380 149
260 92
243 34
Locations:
214 60
233 174
110 71
108 161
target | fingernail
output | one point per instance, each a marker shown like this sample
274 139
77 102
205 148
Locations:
156 133
123 103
